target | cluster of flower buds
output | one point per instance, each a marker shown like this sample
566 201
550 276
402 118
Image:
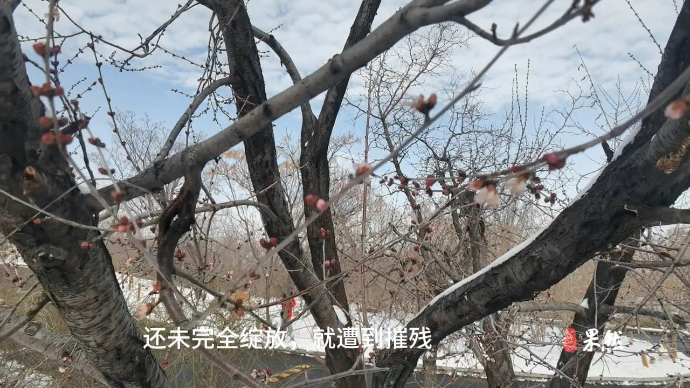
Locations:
118 195
87 245
41 49
238 308
363 169
96 142
316 202
329 263
144 310
268 244
535 188
323 233
46 90
59 139
124 225
485 192
554 161
261 375
156 288
676 109
430 181
518 184
424 106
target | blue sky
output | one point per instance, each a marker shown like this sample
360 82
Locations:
314 30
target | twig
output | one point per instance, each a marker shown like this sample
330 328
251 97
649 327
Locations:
31 314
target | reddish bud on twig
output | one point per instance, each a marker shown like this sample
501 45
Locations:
323 233
40 48
554 161
430 181
475 185
118 196
96 142
48 138
45 122
676 109
425 107
311 200
157 286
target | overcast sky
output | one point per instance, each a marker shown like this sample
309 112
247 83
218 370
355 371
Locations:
312 31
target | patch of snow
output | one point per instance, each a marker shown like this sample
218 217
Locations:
342 317
586 189
628 139
13 370
83 187
585 303
505 257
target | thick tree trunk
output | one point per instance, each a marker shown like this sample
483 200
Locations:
260 150
314 163
429 367
81 284
602 291
498 364
593 223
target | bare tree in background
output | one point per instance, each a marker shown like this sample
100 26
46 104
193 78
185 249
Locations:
55 226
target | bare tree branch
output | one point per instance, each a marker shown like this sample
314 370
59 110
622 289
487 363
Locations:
663 215
408 19
198 100
53 346
30 315
570 14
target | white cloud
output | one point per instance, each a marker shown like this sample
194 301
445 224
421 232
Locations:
313 31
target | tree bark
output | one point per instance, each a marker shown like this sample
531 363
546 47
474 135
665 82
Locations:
81 284
260 150
602 291
498 363
430 369
591 224
314 163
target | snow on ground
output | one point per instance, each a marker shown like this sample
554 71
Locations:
13 370
624 363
